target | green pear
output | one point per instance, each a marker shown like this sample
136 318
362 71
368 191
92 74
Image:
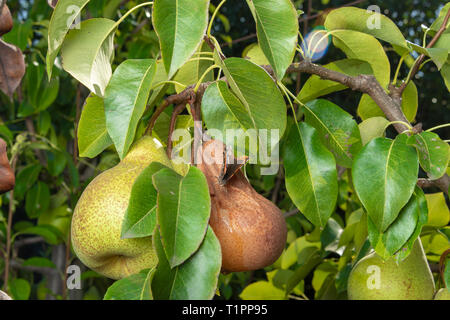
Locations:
442 294
97 220
373 278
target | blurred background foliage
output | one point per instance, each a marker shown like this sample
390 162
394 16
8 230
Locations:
39 122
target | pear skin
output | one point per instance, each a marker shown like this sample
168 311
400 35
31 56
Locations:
6 21
251 229
97 220
442 294
373 278
7 178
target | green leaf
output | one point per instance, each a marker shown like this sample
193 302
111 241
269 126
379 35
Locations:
180 26
37 199
87 51
362 46
56 162
308 258
316 87
140 217
25 178
437 54
49 233
262 290
421 221
351 18
434 154
257 91
223 111
63 16
329 237
41 92
134 287
337 129
372 128
39 262
20 34
367 108
44 122
254 53
183 212
195 279
311 177
398 233
93 137
438 212
384 175
191 71
290 255
436 25
277 30
125 101
445 73
20 289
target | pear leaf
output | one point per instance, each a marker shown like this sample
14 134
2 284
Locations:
438 212
262 290
277 30
93 137
65 13
338 130
372 128
87 53
125 100
401 230
258 93
140 217
434 154
183 209
384 175
195 279
192 71
134 287
367 108
37 200
373 23
180 26
311 177
362 46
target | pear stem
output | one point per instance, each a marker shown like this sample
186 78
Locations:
178 109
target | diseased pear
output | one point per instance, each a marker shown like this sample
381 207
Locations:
6 21
442 294
251 229
7 179
97 220
372 278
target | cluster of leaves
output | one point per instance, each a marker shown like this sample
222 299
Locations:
355 188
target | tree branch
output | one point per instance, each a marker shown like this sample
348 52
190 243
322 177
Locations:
362 83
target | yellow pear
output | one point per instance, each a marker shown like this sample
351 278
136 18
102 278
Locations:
373 278
97 220
442 294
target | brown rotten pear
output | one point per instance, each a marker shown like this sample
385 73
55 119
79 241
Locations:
251 229
7 178
6 22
